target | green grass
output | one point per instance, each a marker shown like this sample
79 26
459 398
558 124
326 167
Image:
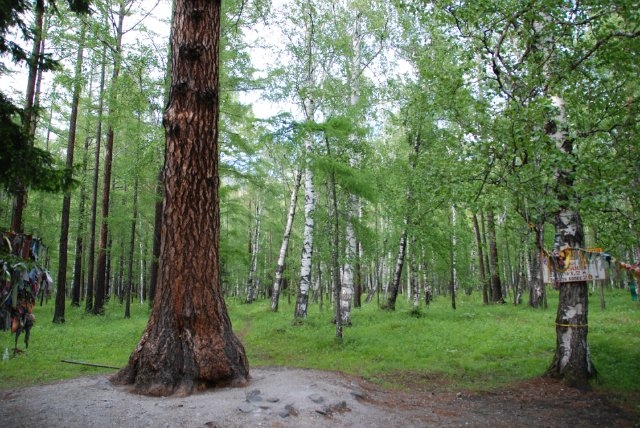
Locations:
476 347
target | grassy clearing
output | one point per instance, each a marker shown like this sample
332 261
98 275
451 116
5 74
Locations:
476 347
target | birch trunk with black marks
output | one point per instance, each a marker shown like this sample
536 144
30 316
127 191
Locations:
572 359
188 343
252 283
277 281
397 274
302 300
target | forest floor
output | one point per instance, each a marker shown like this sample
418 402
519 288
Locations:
293 397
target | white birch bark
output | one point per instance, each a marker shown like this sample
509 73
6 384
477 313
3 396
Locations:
277 281
252 284
347 286
309 190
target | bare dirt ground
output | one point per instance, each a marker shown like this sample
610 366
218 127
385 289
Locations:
291 397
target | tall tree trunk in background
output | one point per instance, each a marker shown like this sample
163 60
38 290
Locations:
132 246
454 244
20 198
572 360
252 284
351 250
302 300
402 247
335 248
397 272
78 277
415 276
496 286
58 315
188 343
94 197
277 281
483 274
101 270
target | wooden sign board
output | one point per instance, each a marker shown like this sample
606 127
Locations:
579 269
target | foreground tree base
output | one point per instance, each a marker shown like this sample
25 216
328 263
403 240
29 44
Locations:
164 367
572 361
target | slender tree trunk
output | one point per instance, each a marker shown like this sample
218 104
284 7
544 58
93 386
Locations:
101 270
188 343
132 246
335 248
347 285
496 286
252 285
58 316
20 198
78 277
302 300
483 274
277 281
397 273
94 197
454 243
415 277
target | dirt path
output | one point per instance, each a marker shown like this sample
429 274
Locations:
288 397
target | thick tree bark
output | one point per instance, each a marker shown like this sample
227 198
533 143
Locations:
188 343
58 316
277 281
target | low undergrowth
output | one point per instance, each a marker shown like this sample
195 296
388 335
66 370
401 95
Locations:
474 347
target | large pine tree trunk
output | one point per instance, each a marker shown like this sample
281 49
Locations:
277 281
58 316
188 343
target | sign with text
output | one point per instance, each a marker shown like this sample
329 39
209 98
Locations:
579 268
